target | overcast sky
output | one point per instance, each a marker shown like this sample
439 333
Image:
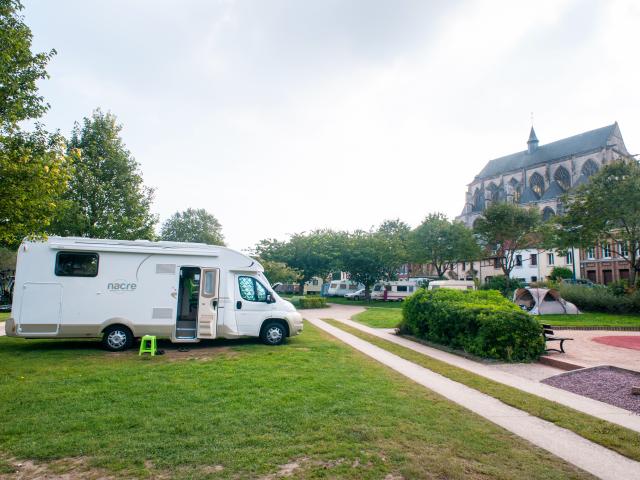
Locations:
284 116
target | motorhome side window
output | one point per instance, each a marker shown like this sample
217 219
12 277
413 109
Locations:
76 264
209 285
251 290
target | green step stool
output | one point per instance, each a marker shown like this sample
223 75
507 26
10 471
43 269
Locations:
148 345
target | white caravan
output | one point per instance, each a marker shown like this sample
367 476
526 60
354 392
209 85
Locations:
119 290
452 284
394 291
339 288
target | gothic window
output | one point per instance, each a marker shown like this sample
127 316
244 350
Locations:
589 168
478 200
563 178
536 182
515 187
494 192
547 213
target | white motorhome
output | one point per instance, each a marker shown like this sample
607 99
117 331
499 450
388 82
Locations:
452 284
394 291
120 290
339 288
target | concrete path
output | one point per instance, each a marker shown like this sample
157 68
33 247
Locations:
587 353
502 373
563 443
2 329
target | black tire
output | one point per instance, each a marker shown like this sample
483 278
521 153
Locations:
273 333
117 338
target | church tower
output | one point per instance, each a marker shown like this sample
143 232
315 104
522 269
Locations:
532 143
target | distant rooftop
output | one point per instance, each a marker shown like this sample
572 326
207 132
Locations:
581 143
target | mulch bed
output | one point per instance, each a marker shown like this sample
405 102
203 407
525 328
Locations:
607 384
622 341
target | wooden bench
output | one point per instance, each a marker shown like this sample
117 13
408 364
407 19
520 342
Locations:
549 336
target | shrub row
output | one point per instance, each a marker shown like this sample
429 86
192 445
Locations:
312 302
482 323
601 299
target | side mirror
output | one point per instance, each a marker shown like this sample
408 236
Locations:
270 298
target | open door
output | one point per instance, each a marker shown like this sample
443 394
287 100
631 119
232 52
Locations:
208 310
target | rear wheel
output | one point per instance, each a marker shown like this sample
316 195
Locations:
273 333
117 338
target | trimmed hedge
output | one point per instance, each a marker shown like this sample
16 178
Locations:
601 299
482 323
312 302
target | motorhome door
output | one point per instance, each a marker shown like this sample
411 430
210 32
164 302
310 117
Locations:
41 308
208 311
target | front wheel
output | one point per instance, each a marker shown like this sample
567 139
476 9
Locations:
273 333
117 338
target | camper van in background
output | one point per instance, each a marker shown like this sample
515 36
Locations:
453 284
119 290
339 288
394 291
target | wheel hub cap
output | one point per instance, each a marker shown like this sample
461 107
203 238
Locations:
117 339
274 335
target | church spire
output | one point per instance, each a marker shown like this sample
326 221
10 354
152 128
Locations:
532 143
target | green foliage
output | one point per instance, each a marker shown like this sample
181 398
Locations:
558 273
600 299
7 259
371 256
193 225
506 228
618 288
313 254
35 172
20 69
312 302
442 243
33 167
278 272
482 323
106 197
606 209
500 283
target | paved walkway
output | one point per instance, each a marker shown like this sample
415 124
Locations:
563 443
508 374
587 353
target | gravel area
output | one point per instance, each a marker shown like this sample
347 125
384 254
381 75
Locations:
608 384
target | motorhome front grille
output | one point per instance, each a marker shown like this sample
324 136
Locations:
165 268
162 313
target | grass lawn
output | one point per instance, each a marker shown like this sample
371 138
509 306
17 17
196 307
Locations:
4 316
243 411
365 303
379 317
591 319
620 439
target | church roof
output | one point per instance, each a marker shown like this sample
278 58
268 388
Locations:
532 136
584 142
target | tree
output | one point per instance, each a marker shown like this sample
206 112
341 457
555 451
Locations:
20 69
505 228
33 166
371 256
313 254
398 234
442 243
279 272
606 209
106 197
193 225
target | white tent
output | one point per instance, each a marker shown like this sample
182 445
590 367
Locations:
543 301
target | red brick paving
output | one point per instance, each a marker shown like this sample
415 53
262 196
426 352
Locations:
622 341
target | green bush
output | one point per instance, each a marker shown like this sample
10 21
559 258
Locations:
601 299
558 273
312 302
499 283
482 323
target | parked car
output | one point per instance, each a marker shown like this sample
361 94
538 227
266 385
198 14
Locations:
585 282
357 295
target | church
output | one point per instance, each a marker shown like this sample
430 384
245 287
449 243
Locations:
539 175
